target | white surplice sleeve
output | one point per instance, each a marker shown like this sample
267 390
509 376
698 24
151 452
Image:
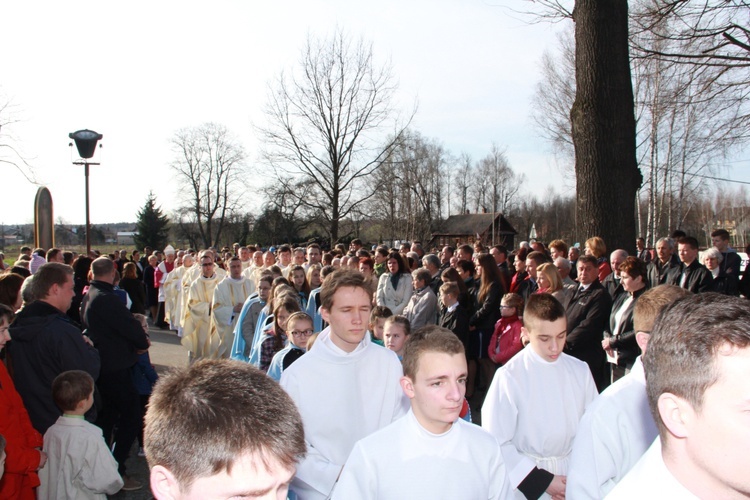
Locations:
500 418
315 470
357 479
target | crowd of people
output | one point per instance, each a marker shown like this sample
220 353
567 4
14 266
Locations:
375 362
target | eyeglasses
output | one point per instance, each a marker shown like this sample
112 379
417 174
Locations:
303 333
207 264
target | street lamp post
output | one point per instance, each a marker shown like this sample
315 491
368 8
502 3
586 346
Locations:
86 144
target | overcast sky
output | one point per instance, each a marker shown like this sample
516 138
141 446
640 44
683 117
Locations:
138 71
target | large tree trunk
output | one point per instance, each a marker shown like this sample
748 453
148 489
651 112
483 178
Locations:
603 122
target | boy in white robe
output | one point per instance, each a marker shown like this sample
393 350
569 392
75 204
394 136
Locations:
698 382
535 402
79 464
430 452
221 429
345 387
618 428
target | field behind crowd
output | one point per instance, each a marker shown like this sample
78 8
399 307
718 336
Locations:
13 251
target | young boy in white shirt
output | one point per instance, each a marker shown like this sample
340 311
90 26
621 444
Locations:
430 452
535 402
79 464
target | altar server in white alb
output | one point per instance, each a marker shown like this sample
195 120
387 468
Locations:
345 387
430 452
535 402
229 296
698 383
617 428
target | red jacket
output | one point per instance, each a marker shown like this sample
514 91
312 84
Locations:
22 457
506 340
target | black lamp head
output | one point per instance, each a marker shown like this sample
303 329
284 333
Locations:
85 142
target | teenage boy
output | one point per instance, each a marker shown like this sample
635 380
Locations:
346 387
429 453
221 429
535 402
452 315
79 464
698 381
617 428
299 328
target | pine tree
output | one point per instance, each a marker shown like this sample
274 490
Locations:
152 227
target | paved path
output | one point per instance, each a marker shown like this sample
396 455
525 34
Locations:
166 352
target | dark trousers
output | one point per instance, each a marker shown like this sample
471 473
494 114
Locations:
160 317
118 417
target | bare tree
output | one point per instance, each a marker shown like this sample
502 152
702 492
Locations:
9 152
463 175
209 163
332 124
500 184
554 97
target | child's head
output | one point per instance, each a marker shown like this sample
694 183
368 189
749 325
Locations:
434 378
298 279
299 328
73 391
142 320
378 315
449 294
511 305
221 428
545 326
284 307
6 316
395 331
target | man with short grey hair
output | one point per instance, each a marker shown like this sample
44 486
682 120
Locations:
422 308
665 261
612 282
431 263
563 269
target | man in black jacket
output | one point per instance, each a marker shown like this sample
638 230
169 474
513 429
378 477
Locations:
119 338
665 261
587 309
691 274
46 343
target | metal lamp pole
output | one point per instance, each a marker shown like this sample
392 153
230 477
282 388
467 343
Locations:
86 144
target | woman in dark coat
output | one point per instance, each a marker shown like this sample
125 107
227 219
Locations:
489 293
81 268
620 337
135 288
152 293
